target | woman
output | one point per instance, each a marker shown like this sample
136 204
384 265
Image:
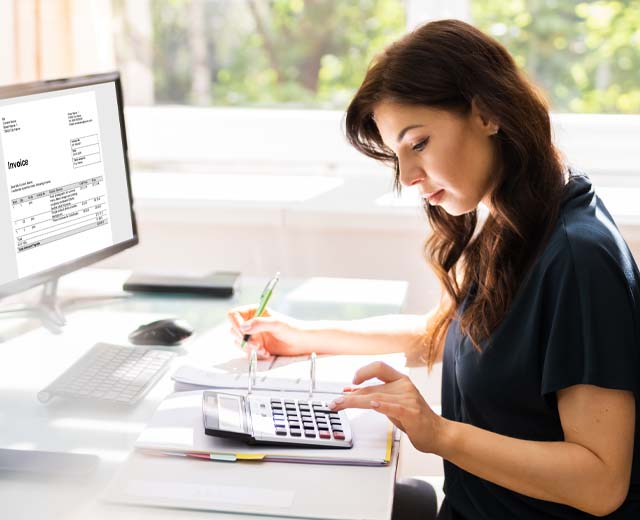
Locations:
538 327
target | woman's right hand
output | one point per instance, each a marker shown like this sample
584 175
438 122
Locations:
272 334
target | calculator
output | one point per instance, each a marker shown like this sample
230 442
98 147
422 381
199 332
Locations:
264 419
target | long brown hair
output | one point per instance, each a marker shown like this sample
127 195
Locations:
446 64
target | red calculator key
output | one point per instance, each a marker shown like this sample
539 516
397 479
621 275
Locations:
339 436
324 434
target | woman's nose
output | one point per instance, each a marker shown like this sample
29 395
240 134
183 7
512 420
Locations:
410 173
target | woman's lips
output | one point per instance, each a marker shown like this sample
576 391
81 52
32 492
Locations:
435 197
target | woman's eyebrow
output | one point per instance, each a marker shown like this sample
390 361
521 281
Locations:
405 130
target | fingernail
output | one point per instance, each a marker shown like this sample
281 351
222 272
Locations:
245 326
336 401
375 404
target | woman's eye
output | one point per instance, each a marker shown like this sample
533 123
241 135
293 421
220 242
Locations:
418 147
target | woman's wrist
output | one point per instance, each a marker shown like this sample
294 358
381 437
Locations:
305 333
445 433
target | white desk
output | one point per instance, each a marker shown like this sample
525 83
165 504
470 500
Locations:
31 357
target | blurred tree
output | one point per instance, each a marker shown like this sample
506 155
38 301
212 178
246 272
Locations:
268 52
585 55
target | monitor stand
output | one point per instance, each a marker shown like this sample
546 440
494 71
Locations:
47 309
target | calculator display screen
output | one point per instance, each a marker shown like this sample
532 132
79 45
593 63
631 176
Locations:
230 414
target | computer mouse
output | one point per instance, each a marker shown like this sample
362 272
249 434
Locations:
167 332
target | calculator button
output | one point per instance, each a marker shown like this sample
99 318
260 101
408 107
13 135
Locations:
275 401
281 432
339 436
308 424
323 427
295 433
324 435
289 401
310 433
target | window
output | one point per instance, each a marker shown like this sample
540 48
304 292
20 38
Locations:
251 53
313 53
585 55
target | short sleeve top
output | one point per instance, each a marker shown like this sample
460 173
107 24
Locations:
575 319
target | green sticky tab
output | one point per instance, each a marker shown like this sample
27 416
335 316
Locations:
224 457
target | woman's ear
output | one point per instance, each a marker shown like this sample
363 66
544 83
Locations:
483 118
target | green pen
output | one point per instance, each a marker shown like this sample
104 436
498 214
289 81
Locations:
264 299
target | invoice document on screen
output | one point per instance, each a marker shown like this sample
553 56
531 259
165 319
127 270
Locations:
55 178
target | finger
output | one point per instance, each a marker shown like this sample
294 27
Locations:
395 412
257 325
246 311
354 401
236 319
236 333
368 390
379 370
261 352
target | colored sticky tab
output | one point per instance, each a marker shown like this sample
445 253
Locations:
387 455
224 457
250 456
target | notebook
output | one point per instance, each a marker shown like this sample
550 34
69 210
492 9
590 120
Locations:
176 429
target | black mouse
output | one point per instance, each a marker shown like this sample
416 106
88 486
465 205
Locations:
168 332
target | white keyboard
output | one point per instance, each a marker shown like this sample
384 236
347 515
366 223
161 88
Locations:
113 373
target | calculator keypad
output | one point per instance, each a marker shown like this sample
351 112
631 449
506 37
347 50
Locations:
309 419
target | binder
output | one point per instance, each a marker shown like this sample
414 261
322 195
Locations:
176 430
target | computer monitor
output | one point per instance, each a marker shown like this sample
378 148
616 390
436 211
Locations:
65 190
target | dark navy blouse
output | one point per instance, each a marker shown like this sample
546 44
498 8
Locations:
574 320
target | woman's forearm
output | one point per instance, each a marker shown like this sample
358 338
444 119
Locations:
561 472
376 335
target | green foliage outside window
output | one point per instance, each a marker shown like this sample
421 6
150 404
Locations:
294 52
313 53
585 55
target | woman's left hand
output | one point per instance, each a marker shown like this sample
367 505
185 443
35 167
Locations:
398 399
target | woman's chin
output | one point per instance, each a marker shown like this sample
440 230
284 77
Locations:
455 210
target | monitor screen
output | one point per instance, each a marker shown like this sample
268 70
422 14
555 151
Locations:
65 194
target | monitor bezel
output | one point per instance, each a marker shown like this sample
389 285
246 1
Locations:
39 87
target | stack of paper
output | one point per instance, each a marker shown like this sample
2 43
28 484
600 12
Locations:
189 378
177 429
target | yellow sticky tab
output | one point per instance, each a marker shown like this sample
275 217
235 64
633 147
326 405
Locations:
250 456
387 455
